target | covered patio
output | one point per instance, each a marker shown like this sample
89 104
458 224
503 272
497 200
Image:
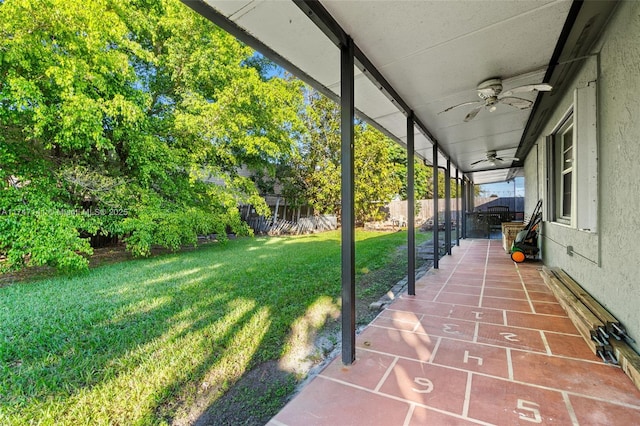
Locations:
467 87
413 69
483 341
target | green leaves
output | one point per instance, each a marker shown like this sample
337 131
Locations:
376 181
133 106
35 231
315 174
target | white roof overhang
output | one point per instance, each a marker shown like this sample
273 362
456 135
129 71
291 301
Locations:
424 56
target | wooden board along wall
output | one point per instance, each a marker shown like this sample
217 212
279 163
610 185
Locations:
587 321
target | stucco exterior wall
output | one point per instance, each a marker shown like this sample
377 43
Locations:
607 262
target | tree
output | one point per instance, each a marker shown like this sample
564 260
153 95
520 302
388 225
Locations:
115 116
320 154
423 177
376 182
423 181
314 175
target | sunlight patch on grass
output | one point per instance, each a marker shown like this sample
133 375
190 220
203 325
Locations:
231 366
300 343
132 386
171 277
144 341
140 308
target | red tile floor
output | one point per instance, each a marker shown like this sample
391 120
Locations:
484 341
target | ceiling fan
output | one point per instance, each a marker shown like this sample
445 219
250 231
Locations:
490 93
492 158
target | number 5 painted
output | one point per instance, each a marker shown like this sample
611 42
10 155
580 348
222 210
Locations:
532 409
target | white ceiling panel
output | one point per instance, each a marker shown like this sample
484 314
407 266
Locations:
417 26
231 9
432 53
470 148
370 99
283 27
396 123
480 178
505 50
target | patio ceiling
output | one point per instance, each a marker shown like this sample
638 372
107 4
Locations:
430 54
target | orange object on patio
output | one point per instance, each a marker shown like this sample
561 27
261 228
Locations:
517 256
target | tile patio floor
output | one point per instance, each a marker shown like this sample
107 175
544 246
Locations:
484 341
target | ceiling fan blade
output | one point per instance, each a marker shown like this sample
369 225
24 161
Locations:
543 87
508 159
517 102
479 161
461 105
472 114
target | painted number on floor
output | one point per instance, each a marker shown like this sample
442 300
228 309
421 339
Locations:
529 411
512 337
425 383
450 328
467 357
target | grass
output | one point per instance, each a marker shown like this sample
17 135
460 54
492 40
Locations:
146 341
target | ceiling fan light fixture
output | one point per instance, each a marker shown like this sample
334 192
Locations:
490 93
492 158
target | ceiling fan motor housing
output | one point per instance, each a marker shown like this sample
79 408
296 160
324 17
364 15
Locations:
490 89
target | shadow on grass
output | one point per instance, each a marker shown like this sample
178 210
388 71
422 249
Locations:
162 339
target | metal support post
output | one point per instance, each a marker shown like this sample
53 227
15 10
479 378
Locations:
447 207
465 190
436 244
347 210
411 204
457 208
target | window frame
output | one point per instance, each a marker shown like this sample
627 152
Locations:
563 209
581 119
565 161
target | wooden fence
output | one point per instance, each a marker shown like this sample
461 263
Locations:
304 225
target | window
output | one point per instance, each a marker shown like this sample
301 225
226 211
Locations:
572 153
563 169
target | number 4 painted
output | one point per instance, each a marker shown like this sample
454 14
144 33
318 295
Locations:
532 411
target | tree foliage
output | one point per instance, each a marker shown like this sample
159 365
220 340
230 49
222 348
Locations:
113 118
313 176
423 177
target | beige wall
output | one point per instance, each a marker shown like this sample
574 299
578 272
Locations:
606 263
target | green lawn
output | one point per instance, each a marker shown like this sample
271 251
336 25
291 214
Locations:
139 342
